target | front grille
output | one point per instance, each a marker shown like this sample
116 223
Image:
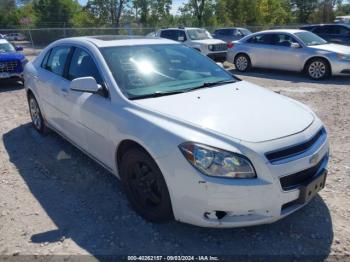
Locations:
220 47
295 180
8 66
288 152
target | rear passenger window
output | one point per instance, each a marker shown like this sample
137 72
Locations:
82 65
264 39
169 34
57 60
173 35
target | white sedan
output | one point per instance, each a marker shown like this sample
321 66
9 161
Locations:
187 139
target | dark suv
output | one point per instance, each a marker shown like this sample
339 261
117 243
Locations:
335 33
231 34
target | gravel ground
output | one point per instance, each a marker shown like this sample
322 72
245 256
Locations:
55 200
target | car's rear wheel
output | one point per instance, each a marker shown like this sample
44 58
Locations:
242 62
145 186
318 69
35 114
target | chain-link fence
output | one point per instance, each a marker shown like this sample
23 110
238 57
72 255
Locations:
37 38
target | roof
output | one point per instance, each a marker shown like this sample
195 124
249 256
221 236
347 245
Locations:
312 25
291 31
119 40
181 28
3 41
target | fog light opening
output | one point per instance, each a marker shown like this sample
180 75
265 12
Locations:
215 215
220 214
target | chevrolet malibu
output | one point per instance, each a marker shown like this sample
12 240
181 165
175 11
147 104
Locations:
187 139
292 50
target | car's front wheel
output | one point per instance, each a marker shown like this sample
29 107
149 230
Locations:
35 114
242 62
145 186
318 69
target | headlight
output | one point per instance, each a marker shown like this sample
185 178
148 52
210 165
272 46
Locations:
210 47
216 162
343 57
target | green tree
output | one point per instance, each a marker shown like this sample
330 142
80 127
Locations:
107 11
55 13
303 9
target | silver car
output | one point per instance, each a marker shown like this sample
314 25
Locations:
293 50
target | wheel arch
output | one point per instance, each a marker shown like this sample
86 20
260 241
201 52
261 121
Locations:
317 57
126 145
242 53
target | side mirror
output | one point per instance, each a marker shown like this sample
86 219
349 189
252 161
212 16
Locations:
181 39
85 84
19 48
295 45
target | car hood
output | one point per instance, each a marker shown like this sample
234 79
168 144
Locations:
11 56
209 41
341 49
241 110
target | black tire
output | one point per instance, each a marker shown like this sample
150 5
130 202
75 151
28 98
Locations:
242 63
145 186
35 114
318 69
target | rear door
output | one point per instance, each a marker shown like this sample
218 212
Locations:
52 83
259 47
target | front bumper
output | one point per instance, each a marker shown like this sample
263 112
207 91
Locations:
218 57
6 75
218 202
341 67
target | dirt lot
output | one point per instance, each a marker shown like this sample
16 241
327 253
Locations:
55 200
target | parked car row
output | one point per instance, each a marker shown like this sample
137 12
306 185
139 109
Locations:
294 50
13 37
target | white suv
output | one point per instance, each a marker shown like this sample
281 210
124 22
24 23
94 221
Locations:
199 39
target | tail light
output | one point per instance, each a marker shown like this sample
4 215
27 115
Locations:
230 45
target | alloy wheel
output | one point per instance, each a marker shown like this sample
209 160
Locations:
144 185
241 63
317 69
35 113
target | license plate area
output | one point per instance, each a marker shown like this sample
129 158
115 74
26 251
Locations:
309 190
4 75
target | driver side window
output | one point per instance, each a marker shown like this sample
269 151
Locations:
82 65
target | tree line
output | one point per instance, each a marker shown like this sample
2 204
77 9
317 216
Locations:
158 13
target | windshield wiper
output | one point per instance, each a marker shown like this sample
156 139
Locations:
168 93
157 94
210 84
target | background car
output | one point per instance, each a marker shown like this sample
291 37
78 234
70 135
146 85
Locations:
11 62
2 36
230 34
15 37
199 39
335 33
294 50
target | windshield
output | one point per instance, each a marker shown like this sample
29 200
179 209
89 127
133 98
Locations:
310 39
6 47
161 69
245 32
198 34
